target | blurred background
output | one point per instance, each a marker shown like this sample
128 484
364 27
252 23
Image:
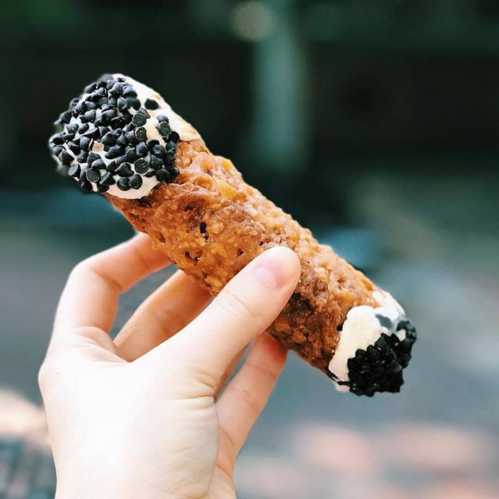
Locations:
374 122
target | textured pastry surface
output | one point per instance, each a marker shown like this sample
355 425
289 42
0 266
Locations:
121 139
211 224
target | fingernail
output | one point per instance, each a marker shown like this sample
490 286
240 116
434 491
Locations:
275 267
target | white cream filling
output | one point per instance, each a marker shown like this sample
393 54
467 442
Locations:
185 130
363 328
177 124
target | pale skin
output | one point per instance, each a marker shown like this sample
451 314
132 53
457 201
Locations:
150 414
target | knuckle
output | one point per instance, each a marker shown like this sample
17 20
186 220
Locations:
91 267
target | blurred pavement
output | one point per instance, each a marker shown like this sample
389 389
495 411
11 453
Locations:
438 438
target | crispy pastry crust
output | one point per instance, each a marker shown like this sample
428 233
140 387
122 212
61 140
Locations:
211 224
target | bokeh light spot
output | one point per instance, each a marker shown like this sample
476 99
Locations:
252 21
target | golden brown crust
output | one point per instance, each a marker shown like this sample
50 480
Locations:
211 224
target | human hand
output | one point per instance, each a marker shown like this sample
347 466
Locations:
144 417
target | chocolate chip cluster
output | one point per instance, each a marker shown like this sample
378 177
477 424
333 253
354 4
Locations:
379 367
102 139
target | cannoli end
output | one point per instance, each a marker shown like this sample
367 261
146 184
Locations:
119 137
375 346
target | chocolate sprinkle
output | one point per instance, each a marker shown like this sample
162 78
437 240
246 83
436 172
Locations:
139 119
141 166
107 179
122 104
92 157
156 163
74 147
85 185
124 170
57 139
84 142
151 144
121 159
141 149
114 152
82 157
133 102
65 158
385 321
164 129
159 150
124 184
151 104
163 175
136 182
116 122
112 166
109 139
129 91
92 175
90 115
141 134
131 139
92 134
131 155
116 89
98 164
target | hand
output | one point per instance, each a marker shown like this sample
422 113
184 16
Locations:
145 415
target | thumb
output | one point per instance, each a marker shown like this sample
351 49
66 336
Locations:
244 308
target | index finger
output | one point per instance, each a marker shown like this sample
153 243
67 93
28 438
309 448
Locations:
246 307
90 297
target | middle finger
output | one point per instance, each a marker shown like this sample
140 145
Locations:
169 309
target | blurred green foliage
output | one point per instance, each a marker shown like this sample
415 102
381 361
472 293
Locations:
324 19
333 87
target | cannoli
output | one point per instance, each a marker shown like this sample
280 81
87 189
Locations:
121 139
